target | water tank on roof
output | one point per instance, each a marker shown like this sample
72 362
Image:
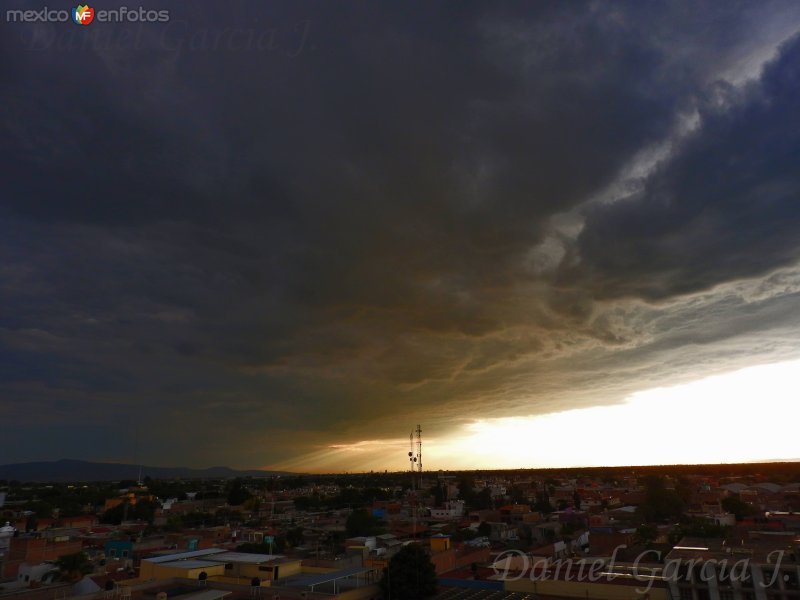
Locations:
7 530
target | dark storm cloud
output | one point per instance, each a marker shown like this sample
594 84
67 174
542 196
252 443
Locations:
723 208
288 223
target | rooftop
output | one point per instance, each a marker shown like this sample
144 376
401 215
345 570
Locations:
245 557
758 549
191 564
184 555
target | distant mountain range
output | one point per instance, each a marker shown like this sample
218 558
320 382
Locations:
81 470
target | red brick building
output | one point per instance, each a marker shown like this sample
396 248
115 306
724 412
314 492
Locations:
35 551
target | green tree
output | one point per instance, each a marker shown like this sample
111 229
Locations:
484 529
252 504
466 489
660 504
294 537
518 495
349 496
74 566
437 492
143 510
525 533
410 575
31 523
542 504
237 493
646 535
307 502
734 504
43 510
278 545
700 528
462 535
483 499
361 522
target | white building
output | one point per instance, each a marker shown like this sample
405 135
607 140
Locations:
451 510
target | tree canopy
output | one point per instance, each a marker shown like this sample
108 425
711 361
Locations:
661 504
237 493
410 574
734 504
362 523
74 566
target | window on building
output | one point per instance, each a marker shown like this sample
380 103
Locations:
124 554
686 593
112 553
228 566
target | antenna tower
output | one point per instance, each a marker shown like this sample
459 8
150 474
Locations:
415 463
415 457
418 431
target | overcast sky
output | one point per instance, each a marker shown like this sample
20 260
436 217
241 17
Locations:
263 229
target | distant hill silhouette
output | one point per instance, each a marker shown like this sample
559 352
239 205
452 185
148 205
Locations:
81 470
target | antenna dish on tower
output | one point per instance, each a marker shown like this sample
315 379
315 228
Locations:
415 461
415 456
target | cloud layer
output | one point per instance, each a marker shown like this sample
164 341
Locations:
289 227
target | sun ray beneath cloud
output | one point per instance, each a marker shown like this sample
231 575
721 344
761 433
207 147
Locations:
746 415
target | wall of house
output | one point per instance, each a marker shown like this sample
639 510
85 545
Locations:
150 570
35 551
589 590
365 592
285 569
444 561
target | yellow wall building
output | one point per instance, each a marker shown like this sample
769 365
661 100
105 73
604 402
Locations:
220 565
